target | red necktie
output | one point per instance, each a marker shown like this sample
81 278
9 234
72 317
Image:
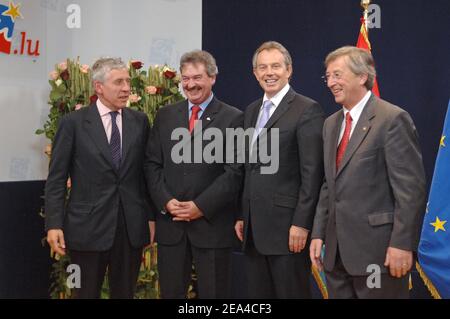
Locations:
194 117
345 138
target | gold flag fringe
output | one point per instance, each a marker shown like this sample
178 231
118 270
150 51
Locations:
320 283
428 282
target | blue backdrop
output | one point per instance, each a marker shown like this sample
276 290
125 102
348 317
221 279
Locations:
411 50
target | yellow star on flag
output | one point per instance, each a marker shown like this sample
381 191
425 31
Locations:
438 224
442 141
13 11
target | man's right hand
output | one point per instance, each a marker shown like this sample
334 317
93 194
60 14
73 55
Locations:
239 228
55 238
173 205
315 253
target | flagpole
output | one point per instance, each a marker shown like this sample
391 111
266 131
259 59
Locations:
365 5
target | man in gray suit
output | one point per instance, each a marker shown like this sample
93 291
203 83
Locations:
373 197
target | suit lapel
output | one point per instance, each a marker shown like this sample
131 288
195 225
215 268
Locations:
334 142
182 120
281 108
95 129
359 133
209 115
254 115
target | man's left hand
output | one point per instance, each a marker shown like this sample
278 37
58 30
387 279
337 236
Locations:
187 211
399 261
297 238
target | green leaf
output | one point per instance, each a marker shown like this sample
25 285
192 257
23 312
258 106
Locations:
39 132
55 95
61 89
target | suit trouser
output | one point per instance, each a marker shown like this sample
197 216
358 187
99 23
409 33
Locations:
341 285
276 276
122 261
212 267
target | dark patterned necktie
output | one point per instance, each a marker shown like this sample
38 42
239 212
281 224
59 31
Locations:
114 143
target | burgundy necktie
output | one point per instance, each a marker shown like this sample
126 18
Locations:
194 117
344 142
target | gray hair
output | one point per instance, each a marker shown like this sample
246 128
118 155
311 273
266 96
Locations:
103 66
200 56
359 61
272 45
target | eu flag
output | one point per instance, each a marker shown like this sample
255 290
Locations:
434 246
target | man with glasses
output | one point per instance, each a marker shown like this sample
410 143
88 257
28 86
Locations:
372 201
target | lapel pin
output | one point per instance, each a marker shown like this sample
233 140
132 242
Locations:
365 128
208 119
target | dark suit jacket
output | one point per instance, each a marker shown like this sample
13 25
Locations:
213 187
81 151
272 203
377 197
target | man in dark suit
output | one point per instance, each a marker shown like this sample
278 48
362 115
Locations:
105 221
197 197
373 198
278 207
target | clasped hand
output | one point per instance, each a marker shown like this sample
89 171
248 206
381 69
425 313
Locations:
183 211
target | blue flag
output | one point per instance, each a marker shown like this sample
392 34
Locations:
434 246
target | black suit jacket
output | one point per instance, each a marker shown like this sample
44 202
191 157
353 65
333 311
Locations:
81 152
213 187
274 202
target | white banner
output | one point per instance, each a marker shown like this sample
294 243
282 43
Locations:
37 34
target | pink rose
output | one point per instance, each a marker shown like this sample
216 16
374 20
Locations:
62 66
54 75
134 98
151 89
84 68
78 106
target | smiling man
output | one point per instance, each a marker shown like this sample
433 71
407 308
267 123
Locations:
197 201
104 223
372 201
278 209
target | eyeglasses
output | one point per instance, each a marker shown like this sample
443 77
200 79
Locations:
334 76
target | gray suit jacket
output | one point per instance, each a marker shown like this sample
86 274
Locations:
377 197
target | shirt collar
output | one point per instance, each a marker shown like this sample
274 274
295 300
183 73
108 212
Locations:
356 111
103 109
202 105
276 99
